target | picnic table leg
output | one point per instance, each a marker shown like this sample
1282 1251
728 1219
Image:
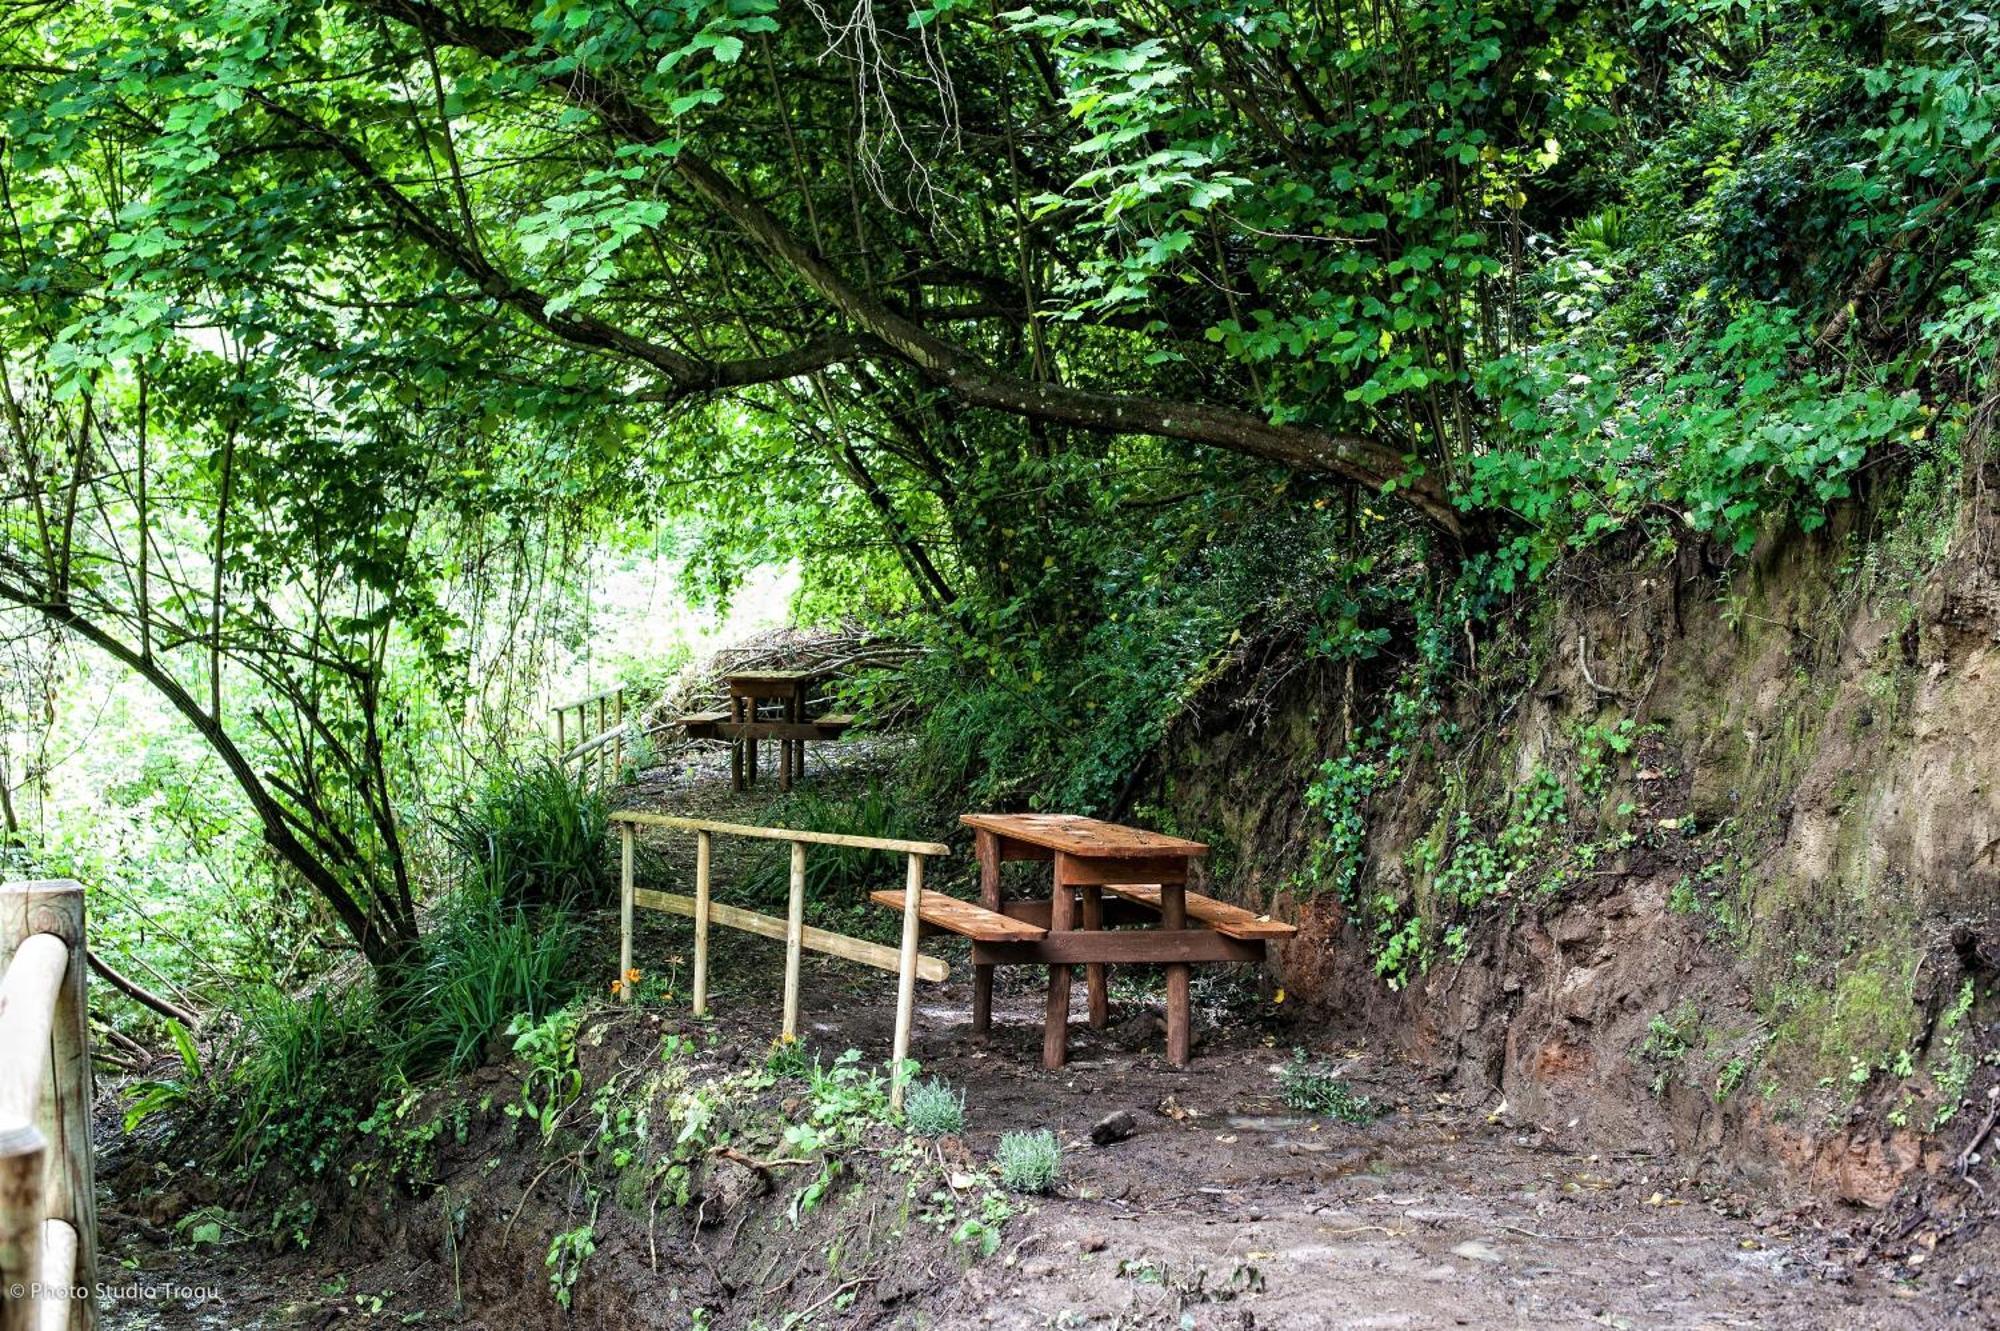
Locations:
986 846
1055 1026
1094 972
1173 915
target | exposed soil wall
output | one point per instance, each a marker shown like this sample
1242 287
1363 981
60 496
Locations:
1759 945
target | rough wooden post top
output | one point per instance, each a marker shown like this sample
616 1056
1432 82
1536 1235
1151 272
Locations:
41 906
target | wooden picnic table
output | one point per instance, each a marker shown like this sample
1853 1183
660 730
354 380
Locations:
1087 857
768 704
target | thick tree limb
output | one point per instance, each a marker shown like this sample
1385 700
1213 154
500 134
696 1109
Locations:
1367 461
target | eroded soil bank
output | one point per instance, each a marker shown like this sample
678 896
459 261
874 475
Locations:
1224 1210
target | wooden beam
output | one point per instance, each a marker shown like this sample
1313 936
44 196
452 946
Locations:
1055 1026
832 944
1080 872
986 847
1120 948
1095 979
1180 1035
58 1277
928 849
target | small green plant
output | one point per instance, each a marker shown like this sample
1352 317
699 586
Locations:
568 1251
933 1109
642 754
1952 1065
787 1059
1313 1088
554 1081
1030 1161
1669 1037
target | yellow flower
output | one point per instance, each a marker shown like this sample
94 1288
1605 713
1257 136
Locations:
1278 997
617 988
632 976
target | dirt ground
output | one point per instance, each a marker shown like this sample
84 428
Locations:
1224 1210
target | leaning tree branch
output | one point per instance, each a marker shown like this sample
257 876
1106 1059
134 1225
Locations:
1370 462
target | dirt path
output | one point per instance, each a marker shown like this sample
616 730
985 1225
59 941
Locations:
1224 1209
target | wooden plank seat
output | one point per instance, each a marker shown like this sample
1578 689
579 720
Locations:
962 917
1232 921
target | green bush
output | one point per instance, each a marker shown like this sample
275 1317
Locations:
533 835
933 1109
1030 1161
1312 1088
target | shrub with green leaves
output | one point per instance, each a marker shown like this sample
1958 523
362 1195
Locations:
1030 1161
1313 1088
934 1109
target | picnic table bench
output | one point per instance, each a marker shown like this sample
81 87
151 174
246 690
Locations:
1103 875
767 705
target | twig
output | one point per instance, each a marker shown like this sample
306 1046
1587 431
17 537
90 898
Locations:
141 995
1583 663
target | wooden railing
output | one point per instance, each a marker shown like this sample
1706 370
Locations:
48 1220
587 741
798 937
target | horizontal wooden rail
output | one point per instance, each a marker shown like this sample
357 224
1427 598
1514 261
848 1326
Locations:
909 965
640 819
48 1220
816 940
605 742
602 695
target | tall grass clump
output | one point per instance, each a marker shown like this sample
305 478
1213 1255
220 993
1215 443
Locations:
299 1075
534 835
484 963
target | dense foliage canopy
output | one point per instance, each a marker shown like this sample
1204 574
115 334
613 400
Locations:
333 329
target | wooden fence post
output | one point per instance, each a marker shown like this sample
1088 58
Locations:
702 850
795 931
48 1100
625 888
906 979
618 745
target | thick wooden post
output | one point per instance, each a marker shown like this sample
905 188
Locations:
985 845
906 979
23 1164
45 1094
625 889
1055 1026
795 933
1095 972
702 849
1173 915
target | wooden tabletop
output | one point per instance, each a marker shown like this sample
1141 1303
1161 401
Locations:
773 676
1083 836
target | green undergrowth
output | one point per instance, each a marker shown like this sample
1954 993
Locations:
672 1130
